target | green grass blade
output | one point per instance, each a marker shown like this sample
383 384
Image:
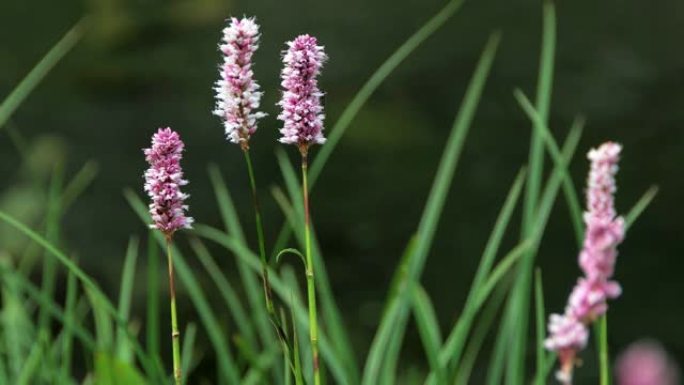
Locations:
38 73
123 349
189 337
640 206
477 338
428 327
53 218
79 183
69 321
253 288
517 350
541 327
516 311
226 363
300 313
374 82
230 297
433 208
152 303
569 189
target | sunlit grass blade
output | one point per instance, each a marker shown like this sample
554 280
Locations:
86 281
253 288
432 212
540 321
428 327
31 365
69 322
227 292
226 363
374 82
123 349
519 326
38 73
569 189
280 288
640 206
479 333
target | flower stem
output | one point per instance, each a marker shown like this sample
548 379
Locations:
175 334
310 282
603 350
262 243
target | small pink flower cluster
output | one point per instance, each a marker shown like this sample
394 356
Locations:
237 94
302 112
568 333
163 180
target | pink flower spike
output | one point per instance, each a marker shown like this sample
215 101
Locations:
237 93
646 363
302 112
163 180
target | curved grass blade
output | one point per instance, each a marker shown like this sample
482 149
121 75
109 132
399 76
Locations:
432 211
640 206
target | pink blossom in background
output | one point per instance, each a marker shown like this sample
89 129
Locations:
646 363
163 180
302 112
237 93
604 231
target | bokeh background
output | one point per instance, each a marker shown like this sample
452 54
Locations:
147 64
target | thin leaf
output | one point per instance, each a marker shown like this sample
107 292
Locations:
541 325
428 327
188 346
125 298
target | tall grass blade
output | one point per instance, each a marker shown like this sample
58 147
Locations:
519 326
38 73
540 321
189 337
123 349
152 303
432 211
53 218
253 288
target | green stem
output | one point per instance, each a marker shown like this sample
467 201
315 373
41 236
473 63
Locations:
175 334
310 282
603 350
260 236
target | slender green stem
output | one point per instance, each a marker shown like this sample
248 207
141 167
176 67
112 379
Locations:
175 333
260 236
603 350
310 282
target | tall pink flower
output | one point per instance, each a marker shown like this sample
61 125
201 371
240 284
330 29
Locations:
237 94
163 180
302 112
604 232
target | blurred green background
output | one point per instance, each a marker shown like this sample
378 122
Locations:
150 63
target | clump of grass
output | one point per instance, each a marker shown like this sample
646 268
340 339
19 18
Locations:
110 345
